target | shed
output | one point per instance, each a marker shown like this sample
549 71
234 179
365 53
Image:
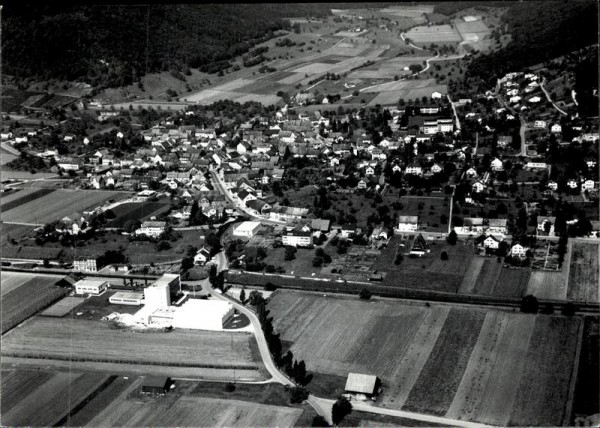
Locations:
358 383
158 385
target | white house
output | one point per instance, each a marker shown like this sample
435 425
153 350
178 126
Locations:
535 100
151 228
572 183
518 250
552 185
588 185
297 237
478 187
539 124
497 165
556 128
471 172
436 168
91 286
202 256
246 229
546 222
536 165
491 242
414 169
408 223
436 95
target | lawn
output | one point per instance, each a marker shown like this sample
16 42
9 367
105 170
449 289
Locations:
44 337
583 275
63 307
59 204
25 295
137 211
300 266
9 232
463 363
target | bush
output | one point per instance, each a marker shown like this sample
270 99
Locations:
319 421
163 245
444 255
365 294
529 304
568 309
341 408
298 394
452 238
229 387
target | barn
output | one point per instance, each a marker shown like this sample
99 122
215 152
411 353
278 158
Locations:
156 385
359 384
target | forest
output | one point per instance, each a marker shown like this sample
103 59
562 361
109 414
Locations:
114 45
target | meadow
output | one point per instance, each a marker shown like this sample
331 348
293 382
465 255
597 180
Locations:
464 363
137 211
59 204
583 274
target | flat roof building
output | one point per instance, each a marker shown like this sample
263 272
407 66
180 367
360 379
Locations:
91 286
127 298
246 229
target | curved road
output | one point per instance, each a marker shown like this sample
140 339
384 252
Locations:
550 99
321 405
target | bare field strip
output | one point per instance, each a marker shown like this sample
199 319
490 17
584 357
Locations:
401 85
263 99
46 337
314 68
291 80
440 377
63 307
10 281
209 96
380 73
53 399
233 85
584 273
195 411
544 388
22 196
59 204
488 276
511 282
17 384
468 283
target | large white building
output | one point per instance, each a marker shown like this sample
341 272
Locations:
91 286
297 238
246 229
152 229
85 264
158 294
127 298
408 223
194 314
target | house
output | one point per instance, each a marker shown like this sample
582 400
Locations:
556 128
536 165
414 169
497 165
588 185
478 187
297 237
471 172
552 185
152 229
473 224
491 242
539 124
497 225
369 171
572 183
518 250
202 256
504 141
362 385
546 224
246 229
436 168
69 164
408 223
535 100
320 225
362 184
419 246
87 264
436 95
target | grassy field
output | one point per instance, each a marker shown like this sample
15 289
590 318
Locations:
583 275
23 196
63 307
551 285
59 204
23 295
44 337
438 34
13 231
486 276
43 398
137 211
464 363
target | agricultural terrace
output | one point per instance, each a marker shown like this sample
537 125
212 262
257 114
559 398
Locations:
25 294
44 398
54 338
59 204
583 275
500 368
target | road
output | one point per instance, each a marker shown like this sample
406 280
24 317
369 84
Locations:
455 114
523 128
222 188
550 99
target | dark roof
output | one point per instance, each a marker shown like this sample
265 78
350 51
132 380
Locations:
156 381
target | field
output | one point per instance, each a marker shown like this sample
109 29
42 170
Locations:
23 196
438 34
13 231
58 204
587 392
23 295
136 211
409 11
44 398
44 337
487 276
63 307
391 92
463 363
583 275
551 285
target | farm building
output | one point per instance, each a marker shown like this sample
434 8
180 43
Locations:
151 228
126 298
91 286
408 223
246 229
157 296
156 385
359 384
195 314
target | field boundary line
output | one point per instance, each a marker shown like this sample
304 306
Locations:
574 373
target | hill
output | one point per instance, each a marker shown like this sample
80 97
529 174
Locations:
113 45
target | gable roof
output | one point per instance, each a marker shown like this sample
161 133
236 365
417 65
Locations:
361 383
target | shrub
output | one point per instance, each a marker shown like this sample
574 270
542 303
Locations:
365 294
444 255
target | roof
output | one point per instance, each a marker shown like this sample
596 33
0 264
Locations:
363 383
156 381
320 224
127 295
412 219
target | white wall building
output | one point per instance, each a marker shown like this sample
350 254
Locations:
246 229
91 286
127 298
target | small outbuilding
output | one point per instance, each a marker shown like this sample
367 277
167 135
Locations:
156 385
367 385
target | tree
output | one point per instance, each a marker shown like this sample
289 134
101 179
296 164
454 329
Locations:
341 408
243 296
568 309
229 387
529 304
162 245
290 253
298 394
319 421
187 263
255 298
317 262
444 255
452 238
364 294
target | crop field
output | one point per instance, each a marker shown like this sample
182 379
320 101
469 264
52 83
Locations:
22 196
472 30
43 398
487 276
391 92
410 11
137 211
44 337
13 231
25 175
59 204
583 275
433 34
63 307
23 295
494 367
